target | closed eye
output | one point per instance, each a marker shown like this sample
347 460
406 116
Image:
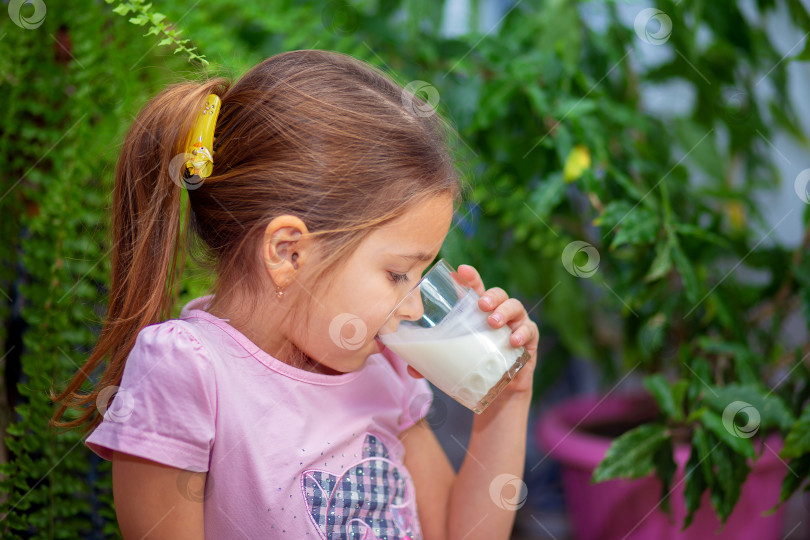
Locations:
398 278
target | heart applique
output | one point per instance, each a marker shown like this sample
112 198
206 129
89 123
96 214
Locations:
369 501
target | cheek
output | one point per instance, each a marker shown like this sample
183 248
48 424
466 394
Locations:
370 301
346 318
348 332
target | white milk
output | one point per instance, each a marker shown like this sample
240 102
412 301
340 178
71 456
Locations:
462 355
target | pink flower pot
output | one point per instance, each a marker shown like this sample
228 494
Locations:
629 509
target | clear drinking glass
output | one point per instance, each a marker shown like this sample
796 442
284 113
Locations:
447 339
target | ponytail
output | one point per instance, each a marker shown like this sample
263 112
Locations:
148 235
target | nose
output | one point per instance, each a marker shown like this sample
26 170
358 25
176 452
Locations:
411 308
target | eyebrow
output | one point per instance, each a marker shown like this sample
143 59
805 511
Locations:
418 256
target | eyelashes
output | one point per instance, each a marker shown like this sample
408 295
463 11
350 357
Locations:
398 278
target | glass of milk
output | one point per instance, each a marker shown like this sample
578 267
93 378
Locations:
446 338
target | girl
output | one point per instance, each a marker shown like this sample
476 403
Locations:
269 408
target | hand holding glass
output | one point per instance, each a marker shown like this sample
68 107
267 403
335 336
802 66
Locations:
447 338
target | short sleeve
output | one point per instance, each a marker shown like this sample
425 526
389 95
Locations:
417 395
165 407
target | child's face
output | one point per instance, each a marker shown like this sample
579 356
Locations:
376 277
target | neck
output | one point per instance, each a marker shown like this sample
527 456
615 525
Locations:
254 325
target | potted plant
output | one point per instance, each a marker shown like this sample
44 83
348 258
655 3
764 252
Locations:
637 233
720 437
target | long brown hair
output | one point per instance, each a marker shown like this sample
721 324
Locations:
316 134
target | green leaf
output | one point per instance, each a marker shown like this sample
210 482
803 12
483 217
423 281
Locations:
731 471
122 9
705 443
165 41
798 472
662 263
639 226
659 387
140 20
537 98
665 468
614 212
571 109
548 195
771 409
627 184
678 393
698 372
157 18
631 455
687 272
797 441
651 334
695 481
741 445
701 233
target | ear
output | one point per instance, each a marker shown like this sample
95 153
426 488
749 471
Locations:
285 248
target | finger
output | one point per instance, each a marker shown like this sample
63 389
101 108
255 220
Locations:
415 374
509 311
525 335
471 278
492 298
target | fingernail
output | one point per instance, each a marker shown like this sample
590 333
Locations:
487 301
519 339
497 318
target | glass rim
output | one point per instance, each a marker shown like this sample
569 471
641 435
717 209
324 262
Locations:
442 262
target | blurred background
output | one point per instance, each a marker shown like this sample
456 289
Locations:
667 138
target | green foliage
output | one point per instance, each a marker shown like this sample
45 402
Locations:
715 466
157 26
561 149
770 409
797 449
70 89
632 454
669 398
797 443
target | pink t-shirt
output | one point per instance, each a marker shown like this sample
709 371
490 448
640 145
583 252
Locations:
289 453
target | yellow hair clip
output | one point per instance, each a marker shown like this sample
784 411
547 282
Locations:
201 144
